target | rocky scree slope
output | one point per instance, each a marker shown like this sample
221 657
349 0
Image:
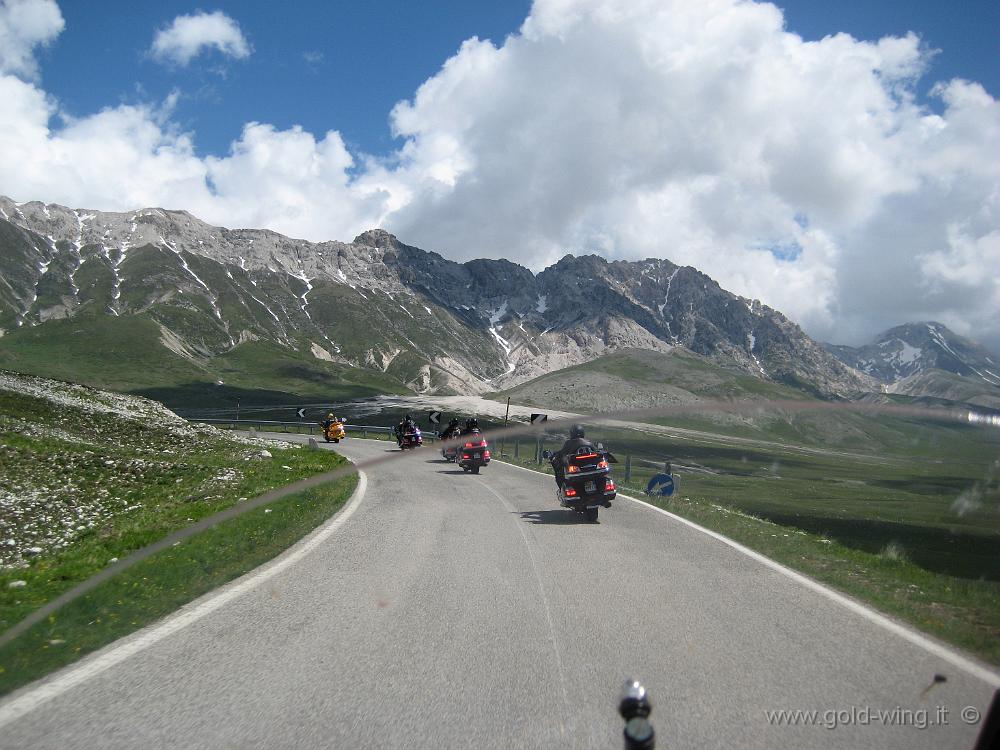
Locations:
92 467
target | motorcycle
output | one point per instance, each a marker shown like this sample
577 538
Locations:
587 484
411 439
449 448
474 454
334 432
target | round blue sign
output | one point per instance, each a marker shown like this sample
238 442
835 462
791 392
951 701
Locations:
661 484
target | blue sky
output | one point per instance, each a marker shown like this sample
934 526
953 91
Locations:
343 65
848 176
321 65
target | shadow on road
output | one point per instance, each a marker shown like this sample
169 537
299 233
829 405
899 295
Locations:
560 517
453 471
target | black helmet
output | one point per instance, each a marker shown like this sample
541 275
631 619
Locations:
576 431
408 418
472 423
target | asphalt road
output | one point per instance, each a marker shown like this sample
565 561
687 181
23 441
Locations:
452 611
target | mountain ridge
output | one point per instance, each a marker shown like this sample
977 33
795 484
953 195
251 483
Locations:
377 303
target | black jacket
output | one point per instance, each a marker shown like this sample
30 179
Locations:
569 449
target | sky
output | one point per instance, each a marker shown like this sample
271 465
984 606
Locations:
837 161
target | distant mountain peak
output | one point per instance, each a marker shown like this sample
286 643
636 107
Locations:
914 348
379 238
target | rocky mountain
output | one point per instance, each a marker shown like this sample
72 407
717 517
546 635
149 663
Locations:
376 304
915 348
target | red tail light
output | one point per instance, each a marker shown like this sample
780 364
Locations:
466 455
570 492
468 445
609 484
486 454
602 464
587 455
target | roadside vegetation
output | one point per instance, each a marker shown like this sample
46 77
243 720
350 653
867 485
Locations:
89 476
125 354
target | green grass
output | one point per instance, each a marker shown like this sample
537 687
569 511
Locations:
90 486
154 587
962 611
125 354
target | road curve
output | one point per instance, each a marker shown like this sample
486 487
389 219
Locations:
453 611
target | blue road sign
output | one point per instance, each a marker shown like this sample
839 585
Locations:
661 484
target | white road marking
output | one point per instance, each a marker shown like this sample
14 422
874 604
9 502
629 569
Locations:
954 658
34 697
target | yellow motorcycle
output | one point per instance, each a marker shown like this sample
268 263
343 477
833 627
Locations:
333 430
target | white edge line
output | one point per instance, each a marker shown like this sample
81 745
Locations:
33 697
988 676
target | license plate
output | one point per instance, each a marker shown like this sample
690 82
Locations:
589 487
477 455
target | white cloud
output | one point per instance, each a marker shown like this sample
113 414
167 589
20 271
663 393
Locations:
701 131
24 24
188 36
696 130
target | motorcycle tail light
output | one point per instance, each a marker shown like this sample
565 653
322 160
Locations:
486 454
468 445
571 469
602 464
466 455
570 492
609 484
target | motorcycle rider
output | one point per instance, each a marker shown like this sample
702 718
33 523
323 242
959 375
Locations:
405 426
471 426
577 440
454 428
330 419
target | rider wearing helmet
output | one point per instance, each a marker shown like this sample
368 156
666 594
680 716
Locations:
471 426
406 425
454 428
577 440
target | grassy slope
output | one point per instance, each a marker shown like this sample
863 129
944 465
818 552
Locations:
88 487
644 379
125 354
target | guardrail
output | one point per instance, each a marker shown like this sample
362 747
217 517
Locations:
312 427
